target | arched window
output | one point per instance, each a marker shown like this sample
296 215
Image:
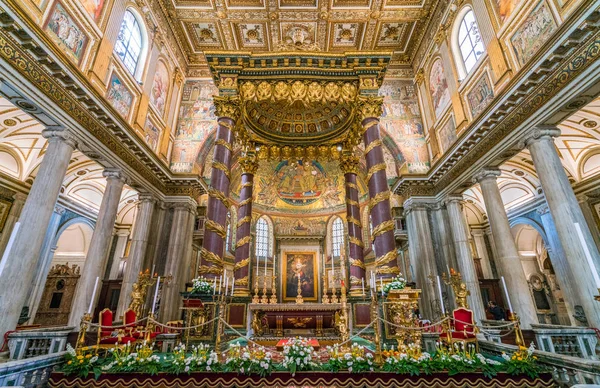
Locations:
371 233
337 236
262 238
228 235
468 42
130 43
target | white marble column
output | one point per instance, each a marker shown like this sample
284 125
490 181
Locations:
588 213
508 260
95 262
177 254
421 254
581 251
156 227
17 267
122 236
564 275
494 254
464 256
137 252
11 219
480 247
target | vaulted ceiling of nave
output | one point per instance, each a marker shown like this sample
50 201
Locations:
327 25
22 149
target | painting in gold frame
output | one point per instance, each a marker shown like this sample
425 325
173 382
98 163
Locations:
303 264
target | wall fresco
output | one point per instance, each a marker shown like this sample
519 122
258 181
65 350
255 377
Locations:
447 135
160 87
480 96
119 96
533 33
438 88
63 30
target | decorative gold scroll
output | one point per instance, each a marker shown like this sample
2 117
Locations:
220 166
354 221
241 264
204 269
243 241
385 259
224 143
354 281
387 270
246 184
242 281
245 202
352 185
219 195
215 227
382 228
243 220
352 202
376 168
380 197
357 263
373 144
356 241
210 257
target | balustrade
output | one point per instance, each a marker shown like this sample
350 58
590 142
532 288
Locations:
37 342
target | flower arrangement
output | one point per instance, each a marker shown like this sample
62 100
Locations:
249 360
398 283
523 362
298 355
201 286
201 359
125 358
80 364
354 359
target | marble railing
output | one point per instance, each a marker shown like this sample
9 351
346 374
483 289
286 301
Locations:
37 342
567 371
567 340
30 372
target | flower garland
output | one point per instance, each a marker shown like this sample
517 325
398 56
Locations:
249 360
201 286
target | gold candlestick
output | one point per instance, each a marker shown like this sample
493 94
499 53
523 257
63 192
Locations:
299 299
273 299
255 298
85 321
325 298
376 328
264 298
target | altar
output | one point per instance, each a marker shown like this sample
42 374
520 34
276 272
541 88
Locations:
280 320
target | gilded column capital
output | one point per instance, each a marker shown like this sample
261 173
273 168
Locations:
369 107
349 164
541 132
249 164
227 106
485 174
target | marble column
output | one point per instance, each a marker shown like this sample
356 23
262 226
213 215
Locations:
227 109
95 261
573 231
564 274
422 256
249 165
122 236
17 266
588 213
349 166
492 253
137 252
177 250
480 247
11 219
369 109
445 257
508 259
156 227
464 256
44 262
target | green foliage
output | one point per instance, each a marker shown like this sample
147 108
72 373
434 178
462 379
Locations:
80 364
249 360
354 359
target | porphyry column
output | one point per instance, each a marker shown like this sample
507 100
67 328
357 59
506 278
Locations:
349 166
137 252
573 231
249 165
95 261
18 263
464 256
227 109
508 260
369 108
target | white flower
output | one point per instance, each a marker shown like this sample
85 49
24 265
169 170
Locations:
187 369
350 369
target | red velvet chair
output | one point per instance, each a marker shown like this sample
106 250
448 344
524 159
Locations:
106 333
462 328
129 319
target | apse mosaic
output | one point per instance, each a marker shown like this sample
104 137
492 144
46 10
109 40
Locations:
196 121
401 120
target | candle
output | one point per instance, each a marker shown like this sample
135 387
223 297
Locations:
441 297
93 295
214 284
506 293
332 267
11 241
265 266
381 284
155 295
363 285
257 267
153 268
226 284
232 285
588 256
220 279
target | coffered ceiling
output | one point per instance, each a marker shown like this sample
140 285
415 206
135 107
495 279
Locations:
276 25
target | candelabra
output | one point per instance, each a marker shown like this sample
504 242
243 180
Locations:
460 288
376 328
519 340
221 302
83 326
325 298
273 299
256 298
264 298
299 299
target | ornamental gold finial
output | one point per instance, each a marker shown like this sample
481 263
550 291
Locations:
227 106
249 164
369 107
349 163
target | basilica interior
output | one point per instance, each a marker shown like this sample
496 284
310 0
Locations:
265 169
